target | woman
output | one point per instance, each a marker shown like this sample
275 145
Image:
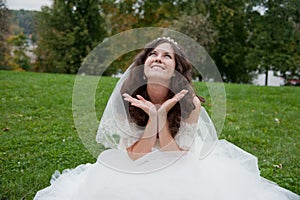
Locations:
162 131
154 104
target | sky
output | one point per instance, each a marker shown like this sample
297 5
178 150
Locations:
27 4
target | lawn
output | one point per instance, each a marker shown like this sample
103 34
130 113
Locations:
38 135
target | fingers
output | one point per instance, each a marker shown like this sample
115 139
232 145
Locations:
180 95
139 102
167 105
177 97
126 96
129 98
140 97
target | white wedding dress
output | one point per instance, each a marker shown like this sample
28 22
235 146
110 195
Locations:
221 175
222 171
208 169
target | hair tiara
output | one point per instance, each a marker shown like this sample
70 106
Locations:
169 39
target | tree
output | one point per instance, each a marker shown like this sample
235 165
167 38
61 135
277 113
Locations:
120 15
273 36
19 59
128 14
4 32
67 32
23 21
199 28
230 50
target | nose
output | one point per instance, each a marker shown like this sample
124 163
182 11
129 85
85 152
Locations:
158 59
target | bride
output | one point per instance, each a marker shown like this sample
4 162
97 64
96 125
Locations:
167 145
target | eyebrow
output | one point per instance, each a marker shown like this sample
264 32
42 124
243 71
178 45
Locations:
165 52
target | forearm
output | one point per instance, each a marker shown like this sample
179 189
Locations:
166 140
146 143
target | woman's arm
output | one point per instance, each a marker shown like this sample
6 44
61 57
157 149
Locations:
145 144
148 140
167 142
158 123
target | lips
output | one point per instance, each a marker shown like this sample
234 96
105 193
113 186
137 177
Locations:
157 66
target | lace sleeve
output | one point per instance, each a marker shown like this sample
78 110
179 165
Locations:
186 135
118 134
128 140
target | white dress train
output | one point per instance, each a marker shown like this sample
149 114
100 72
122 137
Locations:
227 172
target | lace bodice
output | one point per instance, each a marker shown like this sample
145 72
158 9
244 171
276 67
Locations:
184 138
186 135
128 135
119 133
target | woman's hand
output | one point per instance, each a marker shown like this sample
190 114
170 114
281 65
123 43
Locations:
147 106
162 112
166 140
148 140
167 105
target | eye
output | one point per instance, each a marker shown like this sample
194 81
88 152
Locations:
152 53
168 56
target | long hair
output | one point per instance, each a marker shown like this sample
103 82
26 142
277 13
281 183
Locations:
137 84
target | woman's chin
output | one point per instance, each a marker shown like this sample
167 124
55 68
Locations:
158 78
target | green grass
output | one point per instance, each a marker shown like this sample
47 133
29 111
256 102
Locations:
38 135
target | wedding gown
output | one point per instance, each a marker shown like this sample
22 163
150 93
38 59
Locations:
222 171
207 169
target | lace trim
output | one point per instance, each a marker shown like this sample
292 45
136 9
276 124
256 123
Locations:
75 171
125 134
110 133
188 132
186 135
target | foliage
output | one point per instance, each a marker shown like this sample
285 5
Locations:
128 14
199 28
4 32
18 59
239 39
229 30
273 40
67 32
38 134
23 21
229 52
156 12
119 16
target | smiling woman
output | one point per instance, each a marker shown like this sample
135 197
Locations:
27 5
160 64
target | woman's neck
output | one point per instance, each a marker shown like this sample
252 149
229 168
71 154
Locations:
157 93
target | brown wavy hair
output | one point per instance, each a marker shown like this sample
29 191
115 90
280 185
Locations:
137 84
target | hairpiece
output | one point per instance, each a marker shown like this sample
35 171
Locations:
169 39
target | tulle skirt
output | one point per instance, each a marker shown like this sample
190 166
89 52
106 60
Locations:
227 172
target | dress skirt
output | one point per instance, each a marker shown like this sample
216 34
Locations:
227 173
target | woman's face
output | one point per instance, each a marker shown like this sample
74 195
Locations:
160 63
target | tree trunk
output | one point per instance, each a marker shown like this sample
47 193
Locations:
266 80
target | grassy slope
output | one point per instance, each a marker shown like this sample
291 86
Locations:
37 111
